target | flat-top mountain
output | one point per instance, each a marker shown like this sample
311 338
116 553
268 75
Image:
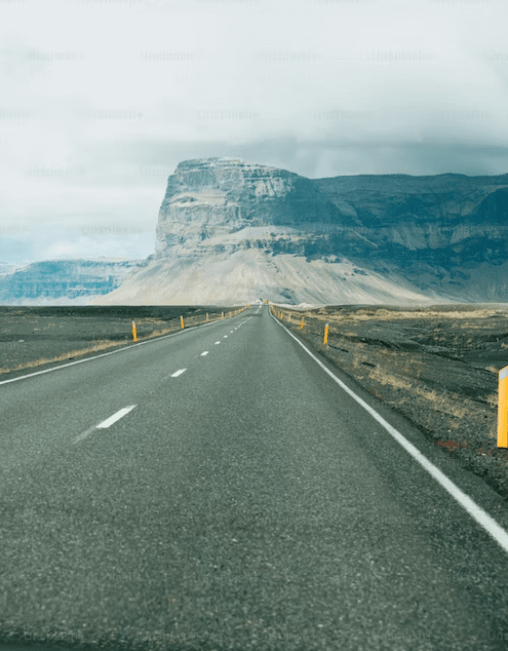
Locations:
232 231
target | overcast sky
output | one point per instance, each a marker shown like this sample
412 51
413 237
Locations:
101 99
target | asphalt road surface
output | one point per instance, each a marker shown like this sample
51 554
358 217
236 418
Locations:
217 489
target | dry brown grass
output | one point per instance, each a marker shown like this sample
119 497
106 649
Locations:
100 345
492 399
150 321
445 402
470 319
385 378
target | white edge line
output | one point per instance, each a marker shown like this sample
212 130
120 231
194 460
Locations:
475 511
112 419
111 352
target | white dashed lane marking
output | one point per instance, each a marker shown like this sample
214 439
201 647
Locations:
112 419
225 336
105 423
217 342
204 353
179 372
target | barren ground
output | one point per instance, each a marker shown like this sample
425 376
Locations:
437 366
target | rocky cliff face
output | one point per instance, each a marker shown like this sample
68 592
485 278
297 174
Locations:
444 220
207 200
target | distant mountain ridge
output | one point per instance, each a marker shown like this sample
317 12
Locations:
62 281
447 233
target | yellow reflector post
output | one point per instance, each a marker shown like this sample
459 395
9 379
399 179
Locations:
502 409
134 332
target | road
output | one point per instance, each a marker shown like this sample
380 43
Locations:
216 490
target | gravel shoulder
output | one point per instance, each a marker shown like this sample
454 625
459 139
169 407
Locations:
437 366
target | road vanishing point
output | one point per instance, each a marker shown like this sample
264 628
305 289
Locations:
226 488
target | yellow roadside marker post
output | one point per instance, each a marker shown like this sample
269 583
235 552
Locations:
502 409
181 321
301 324
134 332
207 317
325 338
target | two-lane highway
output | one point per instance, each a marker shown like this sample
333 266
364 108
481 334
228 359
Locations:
217 489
